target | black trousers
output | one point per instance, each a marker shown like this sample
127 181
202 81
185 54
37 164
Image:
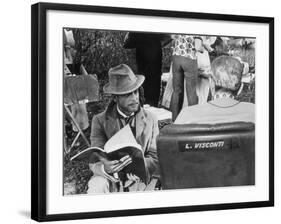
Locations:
149 64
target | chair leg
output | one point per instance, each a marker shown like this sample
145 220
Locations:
66 150
77 126
76 138
74 141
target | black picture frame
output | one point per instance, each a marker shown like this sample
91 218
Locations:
40 122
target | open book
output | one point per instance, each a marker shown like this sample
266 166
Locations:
119 145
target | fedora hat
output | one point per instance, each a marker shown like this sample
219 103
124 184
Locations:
122 80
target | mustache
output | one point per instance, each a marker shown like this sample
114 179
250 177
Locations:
133 103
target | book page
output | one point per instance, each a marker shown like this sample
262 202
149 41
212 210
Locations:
86 153
121 139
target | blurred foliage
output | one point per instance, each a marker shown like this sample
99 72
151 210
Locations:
101 50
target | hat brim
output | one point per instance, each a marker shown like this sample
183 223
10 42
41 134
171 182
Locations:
140 79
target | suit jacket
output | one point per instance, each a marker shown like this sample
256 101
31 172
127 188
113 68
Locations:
221 110
105 125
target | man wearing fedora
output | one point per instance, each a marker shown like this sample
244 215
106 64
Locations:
124 109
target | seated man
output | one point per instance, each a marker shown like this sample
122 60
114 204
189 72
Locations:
226 78
124 109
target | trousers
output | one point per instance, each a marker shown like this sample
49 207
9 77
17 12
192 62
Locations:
149 63
99 184
184 70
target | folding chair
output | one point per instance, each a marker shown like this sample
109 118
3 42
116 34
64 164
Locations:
79 90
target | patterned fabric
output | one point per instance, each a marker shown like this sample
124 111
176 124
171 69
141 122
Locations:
184 46
223 94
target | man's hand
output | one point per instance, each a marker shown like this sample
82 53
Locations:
134 183
115 166
132 179
204 73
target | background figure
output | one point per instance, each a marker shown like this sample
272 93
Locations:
226 78
184 70
149 62
204 69
219 47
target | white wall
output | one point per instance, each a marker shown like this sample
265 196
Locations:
15 110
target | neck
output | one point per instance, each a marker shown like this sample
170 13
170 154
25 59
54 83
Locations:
223 94
124 113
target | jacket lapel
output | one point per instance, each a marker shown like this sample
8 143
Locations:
140 124
111 125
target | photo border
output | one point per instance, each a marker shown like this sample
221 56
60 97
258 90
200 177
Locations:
39 114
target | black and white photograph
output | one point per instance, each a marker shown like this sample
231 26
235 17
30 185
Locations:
148 111
139 112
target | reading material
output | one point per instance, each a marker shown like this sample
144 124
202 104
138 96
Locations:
119 145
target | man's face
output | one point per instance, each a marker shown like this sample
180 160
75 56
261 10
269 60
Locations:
128 103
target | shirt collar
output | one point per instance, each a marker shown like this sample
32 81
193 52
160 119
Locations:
224 102
124 115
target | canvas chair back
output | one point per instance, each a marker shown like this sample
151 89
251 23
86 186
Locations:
79 90
204 155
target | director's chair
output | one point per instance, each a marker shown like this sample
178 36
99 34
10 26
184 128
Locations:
205 155
79 90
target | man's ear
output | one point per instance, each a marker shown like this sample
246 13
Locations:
114 97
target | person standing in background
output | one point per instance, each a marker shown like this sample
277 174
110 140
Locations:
204 69
226 80
149 62
185 69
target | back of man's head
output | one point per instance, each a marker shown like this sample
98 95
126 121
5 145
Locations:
227 73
